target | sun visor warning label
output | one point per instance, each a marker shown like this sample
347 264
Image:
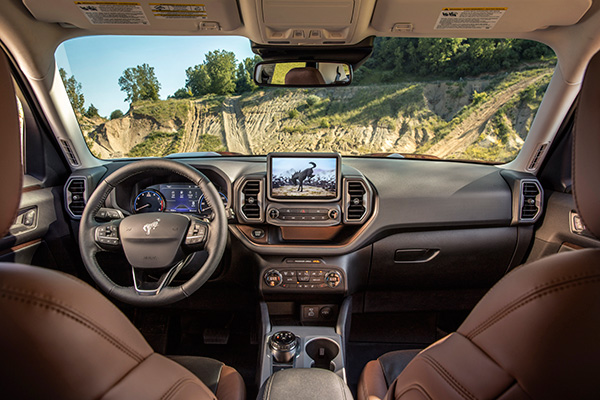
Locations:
112 12
476 18
178 11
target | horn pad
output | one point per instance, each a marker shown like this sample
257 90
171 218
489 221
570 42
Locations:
153 240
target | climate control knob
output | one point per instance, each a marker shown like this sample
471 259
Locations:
333 279
274 213
273 278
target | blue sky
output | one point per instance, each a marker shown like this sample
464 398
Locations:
97 62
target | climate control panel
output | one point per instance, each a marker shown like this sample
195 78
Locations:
285 278
299 215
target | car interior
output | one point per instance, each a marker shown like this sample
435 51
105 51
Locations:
301 272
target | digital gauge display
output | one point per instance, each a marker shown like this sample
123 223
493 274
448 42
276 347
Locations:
181 198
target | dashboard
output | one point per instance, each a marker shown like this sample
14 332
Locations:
351 221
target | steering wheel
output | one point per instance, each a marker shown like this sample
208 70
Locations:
157 243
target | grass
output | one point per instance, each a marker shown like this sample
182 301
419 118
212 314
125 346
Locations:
157 144
162 111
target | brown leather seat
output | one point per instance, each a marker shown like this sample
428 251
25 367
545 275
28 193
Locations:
535 334
307 76
61 339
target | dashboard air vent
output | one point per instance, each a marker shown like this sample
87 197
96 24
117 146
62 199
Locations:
356 201
69 152
251 200
75 196
531 195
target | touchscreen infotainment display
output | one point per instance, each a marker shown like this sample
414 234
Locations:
304 176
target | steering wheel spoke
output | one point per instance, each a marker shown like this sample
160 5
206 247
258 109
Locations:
145 287
107 237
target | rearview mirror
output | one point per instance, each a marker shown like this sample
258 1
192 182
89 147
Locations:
302 73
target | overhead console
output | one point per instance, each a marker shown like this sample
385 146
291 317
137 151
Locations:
304 190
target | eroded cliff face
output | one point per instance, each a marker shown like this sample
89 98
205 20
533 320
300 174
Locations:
476 118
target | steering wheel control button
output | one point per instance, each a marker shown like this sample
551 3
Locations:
273 278
107 234
196 233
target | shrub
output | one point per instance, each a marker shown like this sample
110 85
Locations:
293 113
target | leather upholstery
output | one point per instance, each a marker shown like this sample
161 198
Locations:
586 149
306 76
304 384
379 374
70 341
222 380
10 160
535 333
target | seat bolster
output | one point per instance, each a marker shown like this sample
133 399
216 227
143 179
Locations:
231 385
394 362
157 377
372 385
206 369
452 368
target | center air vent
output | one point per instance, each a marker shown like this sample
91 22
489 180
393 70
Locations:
356 201
250 200
75 196
531 199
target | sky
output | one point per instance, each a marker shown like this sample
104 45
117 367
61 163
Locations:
97 62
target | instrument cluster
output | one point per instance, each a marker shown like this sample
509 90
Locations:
174 197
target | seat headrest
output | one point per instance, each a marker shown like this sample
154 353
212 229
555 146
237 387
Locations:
306 76
11 177
586 149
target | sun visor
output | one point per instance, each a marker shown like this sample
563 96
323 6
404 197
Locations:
439 16
152 16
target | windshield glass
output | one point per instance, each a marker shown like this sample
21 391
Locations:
470 99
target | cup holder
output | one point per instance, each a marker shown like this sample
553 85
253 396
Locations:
322 351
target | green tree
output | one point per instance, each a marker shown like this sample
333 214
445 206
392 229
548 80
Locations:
139 83
116 114
244 82
215 75
92 112
73 89
182 93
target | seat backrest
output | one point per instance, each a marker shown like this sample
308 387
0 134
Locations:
535 334
61 339
306 76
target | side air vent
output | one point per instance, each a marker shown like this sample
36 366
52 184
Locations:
250 200
75 196
356 201
69 152
537 157
531 200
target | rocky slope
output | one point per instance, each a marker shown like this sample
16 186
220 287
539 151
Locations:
485 118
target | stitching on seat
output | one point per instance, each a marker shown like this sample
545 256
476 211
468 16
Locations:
417 387
176 387
536 293
454 383
64 310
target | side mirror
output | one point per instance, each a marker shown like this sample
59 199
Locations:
302 73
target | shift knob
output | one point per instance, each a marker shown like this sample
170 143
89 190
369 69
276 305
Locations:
283 346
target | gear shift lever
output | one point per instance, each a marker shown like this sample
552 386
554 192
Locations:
283 346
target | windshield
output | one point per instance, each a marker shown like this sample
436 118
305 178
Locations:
469 99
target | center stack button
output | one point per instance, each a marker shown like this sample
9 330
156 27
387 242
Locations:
273 278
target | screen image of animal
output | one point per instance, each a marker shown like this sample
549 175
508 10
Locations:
299 177
303 177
